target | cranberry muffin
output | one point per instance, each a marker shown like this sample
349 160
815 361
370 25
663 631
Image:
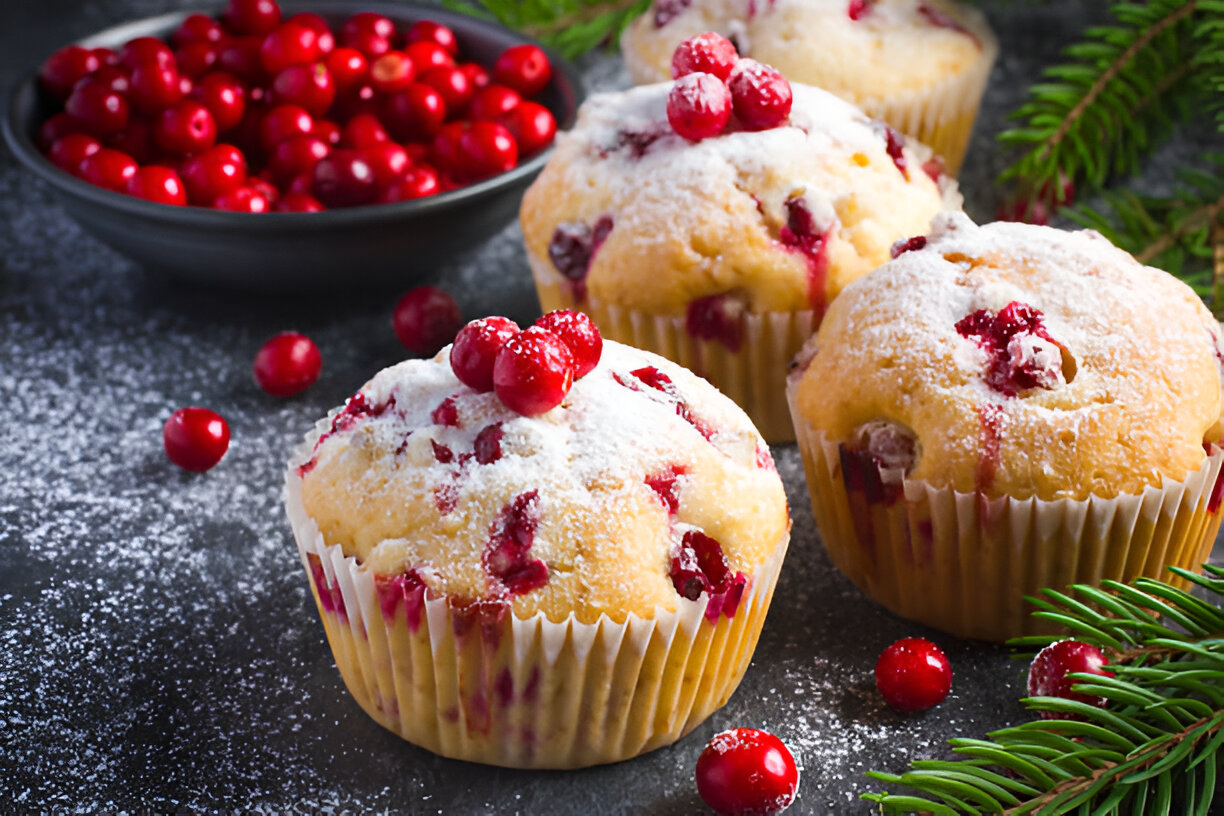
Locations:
722 253
568 586
1005 408
920 65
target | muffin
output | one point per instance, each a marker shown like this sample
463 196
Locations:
1006 408
920 65
722 254
548 591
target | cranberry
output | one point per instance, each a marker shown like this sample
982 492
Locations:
302 184
574 244
429 31
415 114
363 131
251 17
185 129
240 56
1025 210
154 87
65 68
506 557
371 46
426 55
760 95
667 10
244 199
698 106
666 487
145 51
707 53
316 23
287 364
299 202
356 101
532 125
214 173
160 185
109 169
99 109
913 674
348 67
525 68
747 772
1020 353
368 32
392 72
68 153
578 332
290 44
263 185
717 317
858 9
908 245
476 150
475 350
196 59
282 122
493 102
185 86
296 155
894 145
416 182
477 74
344 178
196 29
426 319
136 140
307 86
56 128
1048 673
388 161
454 85
224 97
106 56
195 438
533 371
698 565
487 446
327 131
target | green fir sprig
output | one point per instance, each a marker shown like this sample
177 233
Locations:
573 27
1154 748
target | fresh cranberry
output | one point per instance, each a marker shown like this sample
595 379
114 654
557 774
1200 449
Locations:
194 60
214 173
327 131
858 9
224 97
415 114
251 17
287 364
109 169
760 95
348 68
1048 673
747 772
245 199
99 109
477 74
525 68
145 51
326 39
416 182
68 153
908 245
426 55
185 86
197 28
195 438
107 56
363 131
296 155
161 185
56 128
698 106
356 101
263 185
667 10
452 83
392 72
388 161
371 46
429 31
307 86
154 87
240 56
185 129
493 102
426 319
532 125
913 674
476 150
578 332
707 53
344 178
290 44
282 122
368 32
65 68
475 350
298 203
533 371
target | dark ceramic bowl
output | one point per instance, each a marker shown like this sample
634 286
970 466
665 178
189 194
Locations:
378 245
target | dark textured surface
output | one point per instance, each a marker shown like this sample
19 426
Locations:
158 645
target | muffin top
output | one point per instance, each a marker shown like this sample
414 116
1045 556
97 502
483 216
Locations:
858 49
1017 360
629 213
645 485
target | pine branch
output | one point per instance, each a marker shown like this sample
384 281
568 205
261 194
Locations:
573 27
1154 746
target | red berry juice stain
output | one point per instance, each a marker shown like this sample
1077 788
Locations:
330 597
800 233
407 589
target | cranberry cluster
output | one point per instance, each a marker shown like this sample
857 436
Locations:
712 83
531 370
250 114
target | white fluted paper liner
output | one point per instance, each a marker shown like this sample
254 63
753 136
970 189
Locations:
963 562
530 693
753 376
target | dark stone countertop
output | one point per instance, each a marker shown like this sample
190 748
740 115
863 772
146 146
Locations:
158 645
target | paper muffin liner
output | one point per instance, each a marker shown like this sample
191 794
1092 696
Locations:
963 562
474 682
753 376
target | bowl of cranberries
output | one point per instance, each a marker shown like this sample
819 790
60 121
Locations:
310 145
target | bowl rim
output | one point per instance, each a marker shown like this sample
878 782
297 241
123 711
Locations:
24 94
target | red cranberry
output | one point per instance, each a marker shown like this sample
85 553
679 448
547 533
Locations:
185 86
302 184
699 106
913 674
426 319
388 161
707 53
859 9
296 155
99 109
475 350
698 565
263 185
145 51
533 371
506 557
363 131
287 364
416 182
574 244
532 125
315 22
116 77
197 28
747 772
327 131
429 31
299 202
106 56
578 332
487 445
161 185
368 32
245 199
282 122
525 68
476 150
344 178
154 87
252 17
109 169
56 128
478 75
370 45
185 129
196 59
65 68
894 145
493 102
452 83
1025 210
717 317
392 72
215 172
426 55
307 86
290 44
356 101
907 245
68 153
414 115
1020 352
224 97
760 95
1049 670
348 67
195 438
240 56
